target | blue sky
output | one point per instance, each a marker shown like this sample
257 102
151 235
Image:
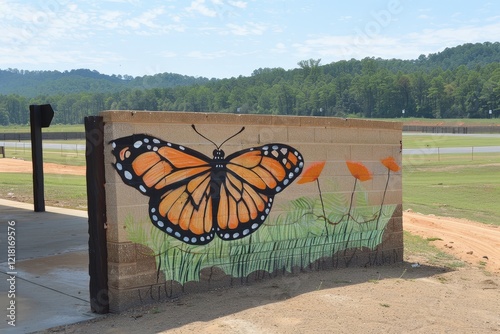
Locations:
226 38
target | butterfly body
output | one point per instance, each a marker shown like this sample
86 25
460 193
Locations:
193 197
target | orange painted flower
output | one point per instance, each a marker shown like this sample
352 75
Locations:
390 163
359 171
312 172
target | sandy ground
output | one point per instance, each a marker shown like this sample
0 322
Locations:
9 165
420 295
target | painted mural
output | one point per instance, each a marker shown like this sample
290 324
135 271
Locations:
214 212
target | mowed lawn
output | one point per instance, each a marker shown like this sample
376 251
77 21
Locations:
455 186
68 191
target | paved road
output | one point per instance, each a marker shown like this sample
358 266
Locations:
27 145
451 150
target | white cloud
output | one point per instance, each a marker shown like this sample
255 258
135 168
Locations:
198 6
238 4
249 28
424 17
408 46
207 55
279 48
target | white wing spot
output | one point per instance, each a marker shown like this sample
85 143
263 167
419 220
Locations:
138 144
236 235
254 226
169 229
146 140
246 231
155 217
278 189
182 148
113 145
141 187
127 175
193 240
119 166
178 235
160 224
156 141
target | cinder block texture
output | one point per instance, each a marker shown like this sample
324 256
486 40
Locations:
343 210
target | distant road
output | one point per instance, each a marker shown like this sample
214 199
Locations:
27 145
451 150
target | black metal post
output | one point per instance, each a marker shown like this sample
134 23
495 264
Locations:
96 204
40 117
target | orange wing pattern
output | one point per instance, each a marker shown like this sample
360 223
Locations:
193 197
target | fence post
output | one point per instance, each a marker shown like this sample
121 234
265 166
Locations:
96 206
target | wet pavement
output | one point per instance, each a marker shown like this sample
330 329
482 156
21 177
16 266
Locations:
50 275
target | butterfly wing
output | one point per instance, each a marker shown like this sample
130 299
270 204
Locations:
252 178
175 178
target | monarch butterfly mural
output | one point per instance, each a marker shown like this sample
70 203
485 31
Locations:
193 197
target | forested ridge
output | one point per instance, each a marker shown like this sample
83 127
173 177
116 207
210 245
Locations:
459 82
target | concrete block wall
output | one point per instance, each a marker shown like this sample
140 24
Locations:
343 220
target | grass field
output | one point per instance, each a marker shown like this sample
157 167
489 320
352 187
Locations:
455 186
439 140
52 128
65 157
67 191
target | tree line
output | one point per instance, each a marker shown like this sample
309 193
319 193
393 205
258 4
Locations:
460 82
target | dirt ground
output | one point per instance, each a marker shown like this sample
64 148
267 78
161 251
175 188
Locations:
420 295
9 165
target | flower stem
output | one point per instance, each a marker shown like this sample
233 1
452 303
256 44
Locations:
383 198
322 207
350 205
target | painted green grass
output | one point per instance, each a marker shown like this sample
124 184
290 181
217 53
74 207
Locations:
456 186
438 140
297 238
67 191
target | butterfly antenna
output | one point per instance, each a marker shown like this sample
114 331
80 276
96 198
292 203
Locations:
237 133
218 146
194 128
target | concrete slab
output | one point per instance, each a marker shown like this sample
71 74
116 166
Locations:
51 269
